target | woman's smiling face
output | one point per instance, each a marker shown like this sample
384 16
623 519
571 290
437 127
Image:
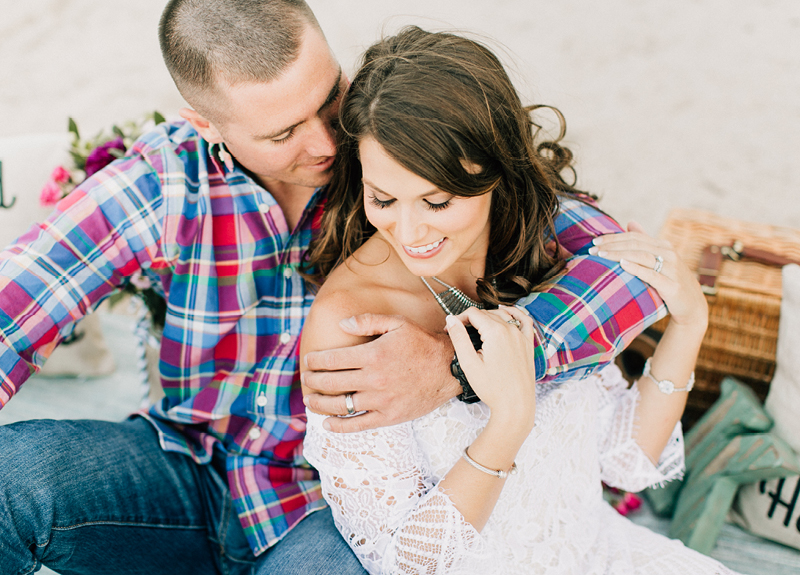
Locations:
430 229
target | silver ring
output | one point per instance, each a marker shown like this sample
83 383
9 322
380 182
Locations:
348 402
515 322
659 264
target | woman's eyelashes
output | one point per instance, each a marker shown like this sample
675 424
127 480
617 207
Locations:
440 206
381 204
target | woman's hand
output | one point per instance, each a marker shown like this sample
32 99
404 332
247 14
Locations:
637 254
502 373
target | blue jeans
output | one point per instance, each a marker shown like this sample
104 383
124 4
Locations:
85 497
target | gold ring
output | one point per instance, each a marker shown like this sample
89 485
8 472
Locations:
515 322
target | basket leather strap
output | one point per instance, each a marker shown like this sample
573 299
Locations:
708 270
712 256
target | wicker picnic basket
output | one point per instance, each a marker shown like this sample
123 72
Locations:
742 332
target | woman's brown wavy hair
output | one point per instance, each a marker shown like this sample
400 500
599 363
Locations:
438 102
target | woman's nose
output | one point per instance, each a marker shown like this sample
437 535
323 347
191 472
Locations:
410 229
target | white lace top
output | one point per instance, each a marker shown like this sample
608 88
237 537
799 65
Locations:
382 486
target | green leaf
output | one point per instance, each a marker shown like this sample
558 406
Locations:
79 159
115 298
73 127
116 153
117 131
158 118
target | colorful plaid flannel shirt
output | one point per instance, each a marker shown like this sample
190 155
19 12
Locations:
217 245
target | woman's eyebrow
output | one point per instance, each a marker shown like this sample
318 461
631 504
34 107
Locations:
377 189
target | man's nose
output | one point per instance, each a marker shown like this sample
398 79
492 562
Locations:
323 139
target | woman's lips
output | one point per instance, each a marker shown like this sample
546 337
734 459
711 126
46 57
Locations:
426 251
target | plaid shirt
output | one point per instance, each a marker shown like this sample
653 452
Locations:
217 246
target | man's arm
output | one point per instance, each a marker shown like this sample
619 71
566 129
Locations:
594 309
62 268
583 319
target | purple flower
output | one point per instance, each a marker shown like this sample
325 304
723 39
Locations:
100 157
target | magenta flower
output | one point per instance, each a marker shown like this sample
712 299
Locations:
60 175
632 501
101 156
50 194
621 508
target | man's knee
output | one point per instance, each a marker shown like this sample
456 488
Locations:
28 459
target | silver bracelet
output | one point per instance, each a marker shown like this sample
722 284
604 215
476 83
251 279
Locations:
493 472
665 385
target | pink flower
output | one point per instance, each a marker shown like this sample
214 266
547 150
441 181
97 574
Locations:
50 194
60 175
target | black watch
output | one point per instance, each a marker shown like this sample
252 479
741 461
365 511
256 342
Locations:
467 394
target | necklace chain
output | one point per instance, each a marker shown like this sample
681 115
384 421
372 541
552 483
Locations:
452 300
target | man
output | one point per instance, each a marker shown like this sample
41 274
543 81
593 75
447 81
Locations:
218 211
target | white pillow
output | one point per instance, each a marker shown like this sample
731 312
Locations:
771 508
783 400
28 162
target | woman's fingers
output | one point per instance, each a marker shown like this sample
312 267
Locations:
659 280
645 258
504 324
468 358
522 317
628 241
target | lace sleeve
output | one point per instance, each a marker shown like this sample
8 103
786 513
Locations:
387 506
623 463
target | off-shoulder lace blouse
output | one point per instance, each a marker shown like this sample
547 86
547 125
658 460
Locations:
382 486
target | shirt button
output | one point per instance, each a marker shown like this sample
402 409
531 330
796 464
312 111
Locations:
287 272
552 371
285 338
263 208
254 433
261 400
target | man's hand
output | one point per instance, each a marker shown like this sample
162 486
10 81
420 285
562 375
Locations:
399 376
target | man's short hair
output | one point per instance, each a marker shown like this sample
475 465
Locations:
205 42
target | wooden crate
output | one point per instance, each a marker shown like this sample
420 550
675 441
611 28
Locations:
742 331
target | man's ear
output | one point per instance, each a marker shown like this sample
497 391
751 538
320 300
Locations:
204 127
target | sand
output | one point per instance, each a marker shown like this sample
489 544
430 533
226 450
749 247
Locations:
688 103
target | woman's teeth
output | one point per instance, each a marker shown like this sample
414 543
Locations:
424 249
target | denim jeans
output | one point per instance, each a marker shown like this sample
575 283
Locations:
94 497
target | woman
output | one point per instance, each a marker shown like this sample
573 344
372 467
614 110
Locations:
444 206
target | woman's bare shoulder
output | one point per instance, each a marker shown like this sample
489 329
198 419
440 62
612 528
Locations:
352 288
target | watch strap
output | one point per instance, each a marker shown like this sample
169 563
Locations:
467 395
